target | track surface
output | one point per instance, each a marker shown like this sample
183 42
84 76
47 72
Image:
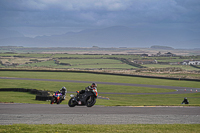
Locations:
54 114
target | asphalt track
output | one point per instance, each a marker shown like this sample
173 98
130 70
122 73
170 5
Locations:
55 114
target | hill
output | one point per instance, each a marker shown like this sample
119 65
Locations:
116 36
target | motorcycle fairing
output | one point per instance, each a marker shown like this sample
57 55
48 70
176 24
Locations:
57 94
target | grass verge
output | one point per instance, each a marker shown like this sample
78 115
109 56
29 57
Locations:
133 128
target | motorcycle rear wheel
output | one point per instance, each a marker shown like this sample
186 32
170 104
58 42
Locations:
71 103
91 101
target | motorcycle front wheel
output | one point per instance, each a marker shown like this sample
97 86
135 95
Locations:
52 101
91 101
72 103
59 101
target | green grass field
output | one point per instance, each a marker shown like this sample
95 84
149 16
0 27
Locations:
132 128
94 63
115 100
98 78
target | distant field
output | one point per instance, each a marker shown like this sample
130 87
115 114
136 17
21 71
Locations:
81 63
98 50
114 63
44 64
95 63
185 67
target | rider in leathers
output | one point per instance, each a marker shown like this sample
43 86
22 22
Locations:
185 101
63 91
90 88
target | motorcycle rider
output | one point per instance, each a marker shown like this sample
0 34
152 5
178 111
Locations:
89 88
63 91
185 101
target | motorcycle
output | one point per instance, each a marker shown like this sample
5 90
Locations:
88 98
57 98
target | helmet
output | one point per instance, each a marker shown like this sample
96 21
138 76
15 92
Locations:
63 88
93 85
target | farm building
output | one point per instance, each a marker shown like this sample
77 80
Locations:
168 54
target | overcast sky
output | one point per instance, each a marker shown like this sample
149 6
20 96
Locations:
46 17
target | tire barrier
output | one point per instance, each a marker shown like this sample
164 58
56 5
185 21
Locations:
40 95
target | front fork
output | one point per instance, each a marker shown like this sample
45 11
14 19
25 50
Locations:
58 98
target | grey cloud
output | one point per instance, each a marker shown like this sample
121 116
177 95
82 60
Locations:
146 10
91 13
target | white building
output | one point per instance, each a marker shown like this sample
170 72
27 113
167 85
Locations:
191 63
